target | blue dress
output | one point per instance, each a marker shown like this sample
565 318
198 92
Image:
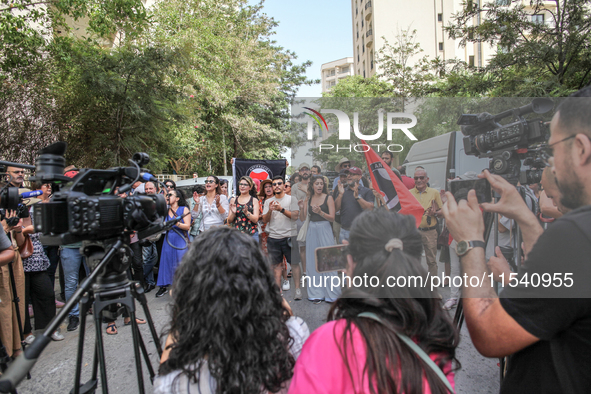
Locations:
171 257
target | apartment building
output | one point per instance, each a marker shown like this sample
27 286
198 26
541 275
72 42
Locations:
375 19
336 71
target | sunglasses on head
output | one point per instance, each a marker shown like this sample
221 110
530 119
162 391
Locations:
419 178
277 183
210 181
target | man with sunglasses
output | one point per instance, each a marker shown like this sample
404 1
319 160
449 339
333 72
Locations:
280 212
546 328
430 199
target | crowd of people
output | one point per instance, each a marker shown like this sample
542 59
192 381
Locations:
225 267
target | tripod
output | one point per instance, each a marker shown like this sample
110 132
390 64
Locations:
16 300
106 285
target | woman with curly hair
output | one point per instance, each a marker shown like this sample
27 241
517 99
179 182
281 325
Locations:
381 338
265 191
231 331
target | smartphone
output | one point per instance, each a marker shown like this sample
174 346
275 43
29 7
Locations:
331 258
460 188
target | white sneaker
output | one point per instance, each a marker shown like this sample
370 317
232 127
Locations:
298 294
56 336
286 285
29 340
449 304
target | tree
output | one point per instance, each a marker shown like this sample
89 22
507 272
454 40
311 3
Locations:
400 65
544 47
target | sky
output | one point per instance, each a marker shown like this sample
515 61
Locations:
318 30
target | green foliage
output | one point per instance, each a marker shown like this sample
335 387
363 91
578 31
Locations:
534 58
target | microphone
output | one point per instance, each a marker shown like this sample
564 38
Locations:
34 193
148 177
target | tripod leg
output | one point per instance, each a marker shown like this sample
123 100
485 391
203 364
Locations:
141 297
83 309
136 351
146 357
101 350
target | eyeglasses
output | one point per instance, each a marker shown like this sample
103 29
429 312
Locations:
244 185
277 183
169 186
170 195
419 178
548 150
210 181
287 185
346 165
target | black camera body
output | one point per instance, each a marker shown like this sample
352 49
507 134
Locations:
86 208
507 145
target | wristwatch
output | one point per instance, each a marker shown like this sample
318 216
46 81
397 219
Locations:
282 210
464 247
357 198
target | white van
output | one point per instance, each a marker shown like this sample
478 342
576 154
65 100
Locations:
187 185
443 158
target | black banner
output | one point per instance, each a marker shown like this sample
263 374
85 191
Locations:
257 169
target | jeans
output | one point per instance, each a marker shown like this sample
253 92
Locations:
71 258
344 235
150 254
256 236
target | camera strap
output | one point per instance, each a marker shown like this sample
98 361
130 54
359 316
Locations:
416 348
182 237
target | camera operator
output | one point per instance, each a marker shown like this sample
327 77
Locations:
149 249
547 335
9 327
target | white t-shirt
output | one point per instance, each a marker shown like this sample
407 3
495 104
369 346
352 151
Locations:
280 226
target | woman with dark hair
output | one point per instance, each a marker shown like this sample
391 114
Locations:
224 187
319 206
244 209
231 331
170 184
176 240
295 178
265 191
214 205
381 338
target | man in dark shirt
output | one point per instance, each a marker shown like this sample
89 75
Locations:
352 200
545 326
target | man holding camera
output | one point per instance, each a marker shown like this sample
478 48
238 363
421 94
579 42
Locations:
547 336
353 199
430 199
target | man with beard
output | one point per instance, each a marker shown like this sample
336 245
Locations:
550 204
298 192
352 200
547 335
16 176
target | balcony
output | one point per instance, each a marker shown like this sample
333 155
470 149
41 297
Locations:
368 10
369 38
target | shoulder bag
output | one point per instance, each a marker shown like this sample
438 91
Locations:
26 249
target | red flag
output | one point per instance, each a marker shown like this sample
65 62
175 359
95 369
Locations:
385 182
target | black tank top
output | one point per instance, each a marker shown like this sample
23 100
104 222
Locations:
314 217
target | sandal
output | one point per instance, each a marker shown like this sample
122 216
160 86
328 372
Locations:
113 329
137 320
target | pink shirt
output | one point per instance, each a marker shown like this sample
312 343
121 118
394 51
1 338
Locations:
320 367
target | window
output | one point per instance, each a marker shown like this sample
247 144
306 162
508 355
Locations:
538 18
357 53
332 72
363 43
471 61
504 2
371 59
439 17
345 70
441 46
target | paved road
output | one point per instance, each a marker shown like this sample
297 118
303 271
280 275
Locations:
54 372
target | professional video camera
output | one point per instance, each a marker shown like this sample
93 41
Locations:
506 145
85 209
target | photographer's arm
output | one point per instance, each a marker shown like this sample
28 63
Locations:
492 330
6 252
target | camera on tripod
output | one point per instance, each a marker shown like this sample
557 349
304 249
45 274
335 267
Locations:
507 145
85 208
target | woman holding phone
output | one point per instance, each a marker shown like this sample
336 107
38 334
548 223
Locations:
381 338
320 207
